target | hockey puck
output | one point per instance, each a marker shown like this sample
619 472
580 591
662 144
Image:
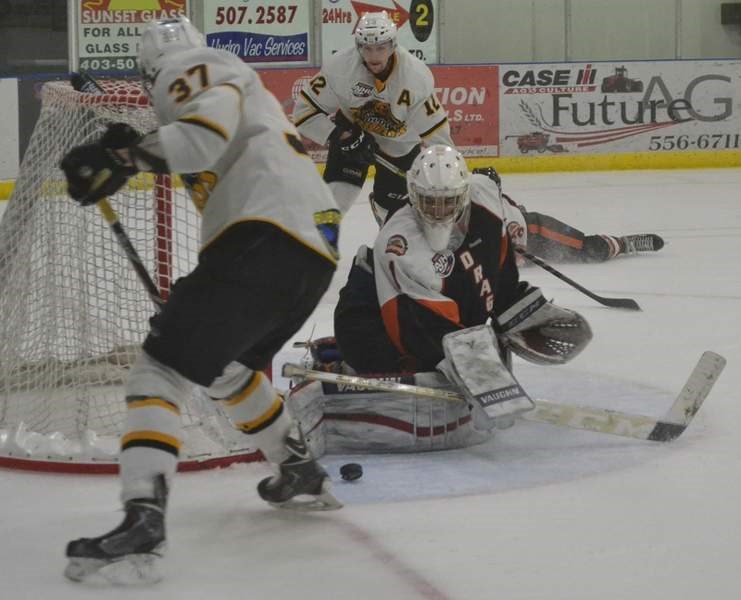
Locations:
351 471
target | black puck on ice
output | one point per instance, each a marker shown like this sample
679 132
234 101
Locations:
351 471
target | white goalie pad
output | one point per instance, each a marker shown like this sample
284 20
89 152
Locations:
473 363
338 418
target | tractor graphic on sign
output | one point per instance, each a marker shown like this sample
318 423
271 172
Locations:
620 82
537 141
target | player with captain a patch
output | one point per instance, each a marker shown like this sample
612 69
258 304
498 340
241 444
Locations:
373 98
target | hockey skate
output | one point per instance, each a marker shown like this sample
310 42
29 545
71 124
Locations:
299 475
642 242
129 553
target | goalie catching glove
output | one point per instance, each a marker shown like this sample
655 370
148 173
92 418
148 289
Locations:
541 332
95 171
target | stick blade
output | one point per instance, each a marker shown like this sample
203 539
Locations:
690 399
625 303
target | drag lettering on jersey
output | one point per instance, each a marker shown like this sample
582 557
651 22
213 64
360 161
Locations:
483 283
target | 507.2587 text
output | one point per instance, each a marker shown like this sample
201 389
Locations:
705 141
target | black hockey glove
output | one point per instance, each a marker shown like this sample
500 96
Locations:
359 147
94 171
491 173
119 135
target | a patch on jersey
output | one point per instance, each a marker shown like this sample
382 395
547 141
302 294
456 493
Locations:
376 117
328 224
443 263
362 90
397 244
516 232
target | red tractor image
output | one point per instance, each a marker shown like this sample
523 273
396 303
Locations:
620 82
536 140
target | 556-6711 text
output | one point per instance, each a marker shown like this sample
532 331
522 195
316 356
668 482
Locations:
705 141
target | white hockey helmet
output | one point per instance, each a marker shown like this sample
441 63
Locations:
374 29
163 37
438 183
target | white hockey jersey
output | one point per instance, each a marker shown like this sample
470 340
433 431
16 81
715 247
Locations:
425 294
220 124
400 112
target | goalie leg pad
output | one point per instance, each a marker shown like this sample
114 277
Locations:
472 361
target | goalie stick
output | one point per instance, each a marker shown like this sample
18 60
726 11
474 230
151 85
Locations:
600 420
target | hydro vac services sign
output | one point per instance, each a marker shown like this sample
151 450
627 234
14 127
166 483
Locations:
275 32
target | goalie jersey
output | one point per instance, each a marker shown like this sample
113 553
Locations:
400 112
244 158
424 295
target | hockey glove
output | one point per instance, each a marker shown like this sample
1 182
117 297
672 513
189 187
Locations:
359 147
542 332
94 172
119 135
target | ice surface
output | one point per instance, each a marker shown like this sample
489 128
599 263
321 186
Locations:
539 512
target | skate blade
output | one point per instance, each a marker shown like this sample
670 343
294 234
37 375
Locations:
325 500
133 569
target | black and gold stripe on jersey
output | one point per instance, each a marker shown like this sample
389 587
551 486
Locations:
200 121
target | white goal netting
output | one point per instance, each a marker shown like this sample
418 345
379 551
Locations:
72 312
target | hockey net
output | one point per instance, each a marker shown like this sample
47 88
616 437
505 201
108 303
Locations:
73 313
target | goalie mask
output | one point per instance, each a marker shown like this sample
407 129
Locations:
164 37
438 191
375 39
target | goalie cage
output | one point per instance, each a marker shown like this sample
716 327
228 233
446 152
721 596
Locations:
73 311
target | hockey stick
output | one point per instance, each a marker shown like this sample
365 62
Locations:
389 166
599 420
123 239
627 303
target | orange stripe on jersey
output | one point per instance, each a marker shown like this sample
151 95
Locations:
555 236
390 315
445 308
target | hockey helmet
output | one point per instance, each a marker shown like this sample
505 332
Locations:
438 182
163 37
374 29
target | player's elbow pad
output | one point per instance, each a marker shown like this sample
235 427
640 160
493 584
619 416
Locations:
541 332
